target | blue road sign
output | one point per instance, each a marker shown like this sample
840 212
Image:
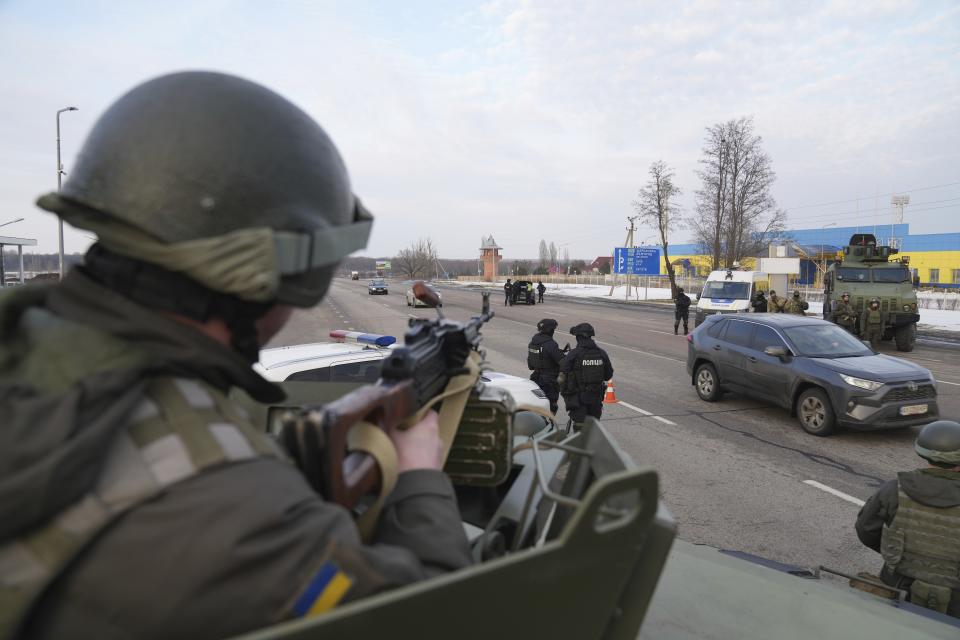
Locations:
637 261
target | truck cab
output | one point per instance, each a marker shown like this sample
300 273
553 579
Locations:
866 271
729 291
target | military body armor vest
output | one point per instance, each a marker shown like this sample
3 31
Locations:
589 369
181 429
922 543
535 355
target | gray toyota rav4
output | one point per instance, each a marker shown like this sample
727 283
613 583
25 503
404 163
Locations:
813 368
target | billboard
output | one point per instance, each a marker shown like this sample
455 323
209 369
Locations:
383 265
637 261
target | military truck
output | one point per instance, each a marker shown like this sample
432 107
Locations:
868 271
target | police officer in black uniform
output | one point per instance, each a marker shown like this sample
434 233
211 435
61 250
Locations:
543 358
682 311
583 374
508 292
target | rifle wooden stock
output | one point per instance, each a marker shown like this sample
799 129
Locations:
316 436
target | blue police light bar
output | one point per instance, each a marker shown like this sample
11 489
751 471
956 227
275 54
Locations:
372 339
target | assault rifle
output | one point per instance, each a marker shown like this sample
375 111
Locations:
434 351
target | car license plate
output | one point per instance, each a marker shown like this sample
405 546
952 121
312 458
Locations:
913 410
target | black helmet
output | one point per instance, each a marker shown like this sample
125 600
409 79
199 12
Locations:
759 294
939 443
547 325
192 160
679 289
582 330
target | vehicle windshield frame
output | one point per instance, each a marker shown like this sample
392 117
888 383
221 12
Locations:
904 275
723 285
378 283
865 270
798 338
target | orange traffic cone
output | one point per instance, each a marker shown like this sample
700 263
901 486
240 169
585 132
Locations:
610 397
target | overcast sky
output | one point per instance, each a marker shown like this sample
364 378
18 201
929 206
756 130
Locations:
524 119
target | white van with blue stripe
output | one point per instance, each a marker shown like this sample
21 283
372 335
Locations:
729 291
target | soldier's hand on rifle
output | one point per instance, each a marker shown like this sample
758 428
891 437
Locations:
419 447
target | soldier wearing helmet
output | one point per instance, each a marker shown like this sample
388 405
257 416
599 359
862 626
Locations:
681 311
912 522
543 358
583 375
796 305
872 324
219 206
844 314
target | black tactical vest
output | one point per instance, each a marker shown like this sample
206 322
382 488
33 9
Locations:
589 368
535 355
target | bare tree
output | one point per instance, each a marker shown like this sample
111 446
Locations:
544 255
735 211
565 259
655 206
417 260
711 201
553 255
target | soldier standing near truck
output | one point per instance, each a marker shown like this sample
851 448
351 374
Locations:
845 315
872 329
776 303
795 305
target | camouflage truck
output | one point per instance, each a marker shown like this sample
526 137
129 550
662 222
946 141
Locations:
868 271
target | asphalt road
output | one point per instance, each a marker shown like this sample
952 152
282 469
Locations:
737 474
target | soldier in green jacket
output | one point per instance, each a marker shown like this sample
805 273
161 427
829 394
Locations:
844 314
136 499
795 305
913 523
873 324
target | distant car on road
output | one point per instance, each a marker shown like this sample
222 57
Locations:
813 368
413 301
377 287
354 275
528 293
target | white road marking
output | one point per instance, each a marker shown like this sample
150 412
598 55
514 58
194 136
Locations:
832 491
666 333
646 413
956 384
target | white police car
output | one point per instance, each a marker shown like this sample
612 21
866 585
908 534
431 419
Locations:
354 359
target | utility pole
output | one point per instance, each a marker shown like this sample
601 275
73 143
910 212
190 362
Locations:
60 174
898 203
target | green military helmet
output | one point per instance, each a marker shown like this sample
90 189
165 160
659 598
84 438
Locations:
845 295
219 179
547 325
875 301
939 443
796 294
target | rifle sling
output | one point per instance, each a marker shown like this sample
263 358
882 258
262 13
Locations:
372 440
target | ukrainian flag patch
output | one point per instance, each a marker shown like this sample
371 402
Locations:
324 592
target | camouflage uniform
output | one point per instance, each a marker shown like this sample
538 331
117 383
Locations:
873 324
845 315
796 306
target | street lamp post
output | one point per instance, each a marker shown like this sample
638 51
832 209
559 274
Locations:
59 181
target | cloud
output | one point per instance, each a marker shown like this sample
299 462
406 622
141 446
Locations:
525 119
